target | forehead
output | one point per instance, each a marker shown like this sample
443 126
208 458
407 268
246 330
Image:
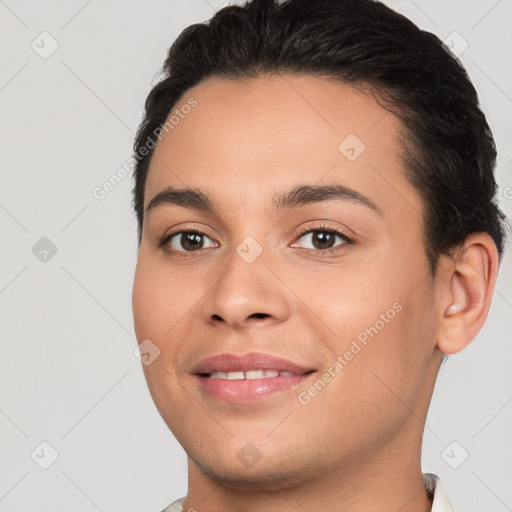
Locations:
246 139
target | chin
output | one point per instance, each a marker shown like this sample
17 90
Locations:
269 473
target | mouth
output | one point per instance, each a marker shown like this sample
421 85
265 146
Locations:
250 374
248 378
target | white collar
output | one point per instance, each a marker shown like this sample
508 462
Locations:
433 484
435 488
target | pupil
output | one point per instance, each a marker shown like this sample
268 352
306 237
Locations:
192 241
324 238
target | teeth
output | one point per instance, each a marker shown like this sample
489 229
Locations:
255 374
251 374
235 375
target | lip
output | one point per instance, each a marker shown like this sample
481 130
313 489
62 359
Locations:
244 391
247 362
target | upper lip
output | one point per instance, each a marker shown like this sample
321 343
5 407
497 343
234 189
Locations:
247 362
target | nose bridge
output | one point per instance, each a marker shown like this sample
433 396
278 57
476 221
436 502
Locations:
247 291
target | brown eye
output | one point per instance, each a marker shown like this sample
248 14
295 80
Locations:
187 241
323 239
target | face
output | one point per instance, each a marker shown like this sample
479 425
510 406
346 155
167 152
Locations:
289 293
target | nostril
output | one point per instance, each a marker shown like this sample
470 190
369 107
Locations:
259 315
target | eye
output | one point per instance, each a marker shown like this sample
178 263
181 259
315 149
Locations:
186 241
323 238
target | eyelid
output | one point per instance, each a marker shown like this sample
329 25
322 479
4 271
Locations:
325 225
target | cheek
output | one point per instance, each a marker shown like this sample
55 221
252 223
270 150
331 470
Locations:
145 300
381 316
165 302
348 300
398 339
162 297
158 307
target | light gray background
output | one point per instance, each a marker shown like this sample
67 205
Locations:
68 374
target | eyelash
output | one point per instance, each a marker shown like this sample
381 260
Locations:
323 228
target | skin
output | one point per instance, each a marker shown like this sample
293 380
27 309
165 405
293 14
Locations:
356 445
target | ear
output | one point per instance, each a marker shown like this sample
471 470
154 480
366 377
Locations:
469 282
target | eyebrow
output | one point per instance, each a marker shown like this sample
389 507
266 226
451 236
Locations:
297 196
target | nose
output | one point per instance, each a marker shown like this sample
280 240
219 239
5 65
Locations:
246 294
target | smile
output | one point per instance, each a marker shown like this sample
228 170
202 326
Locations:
248 378
251 374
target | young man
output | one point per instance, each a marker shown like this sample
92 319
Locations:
317 229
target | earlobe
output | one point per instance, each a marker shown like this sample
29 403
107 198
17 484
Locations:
470 288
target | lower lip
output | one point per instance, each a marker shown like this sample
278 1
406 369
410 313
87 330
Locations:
249 390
